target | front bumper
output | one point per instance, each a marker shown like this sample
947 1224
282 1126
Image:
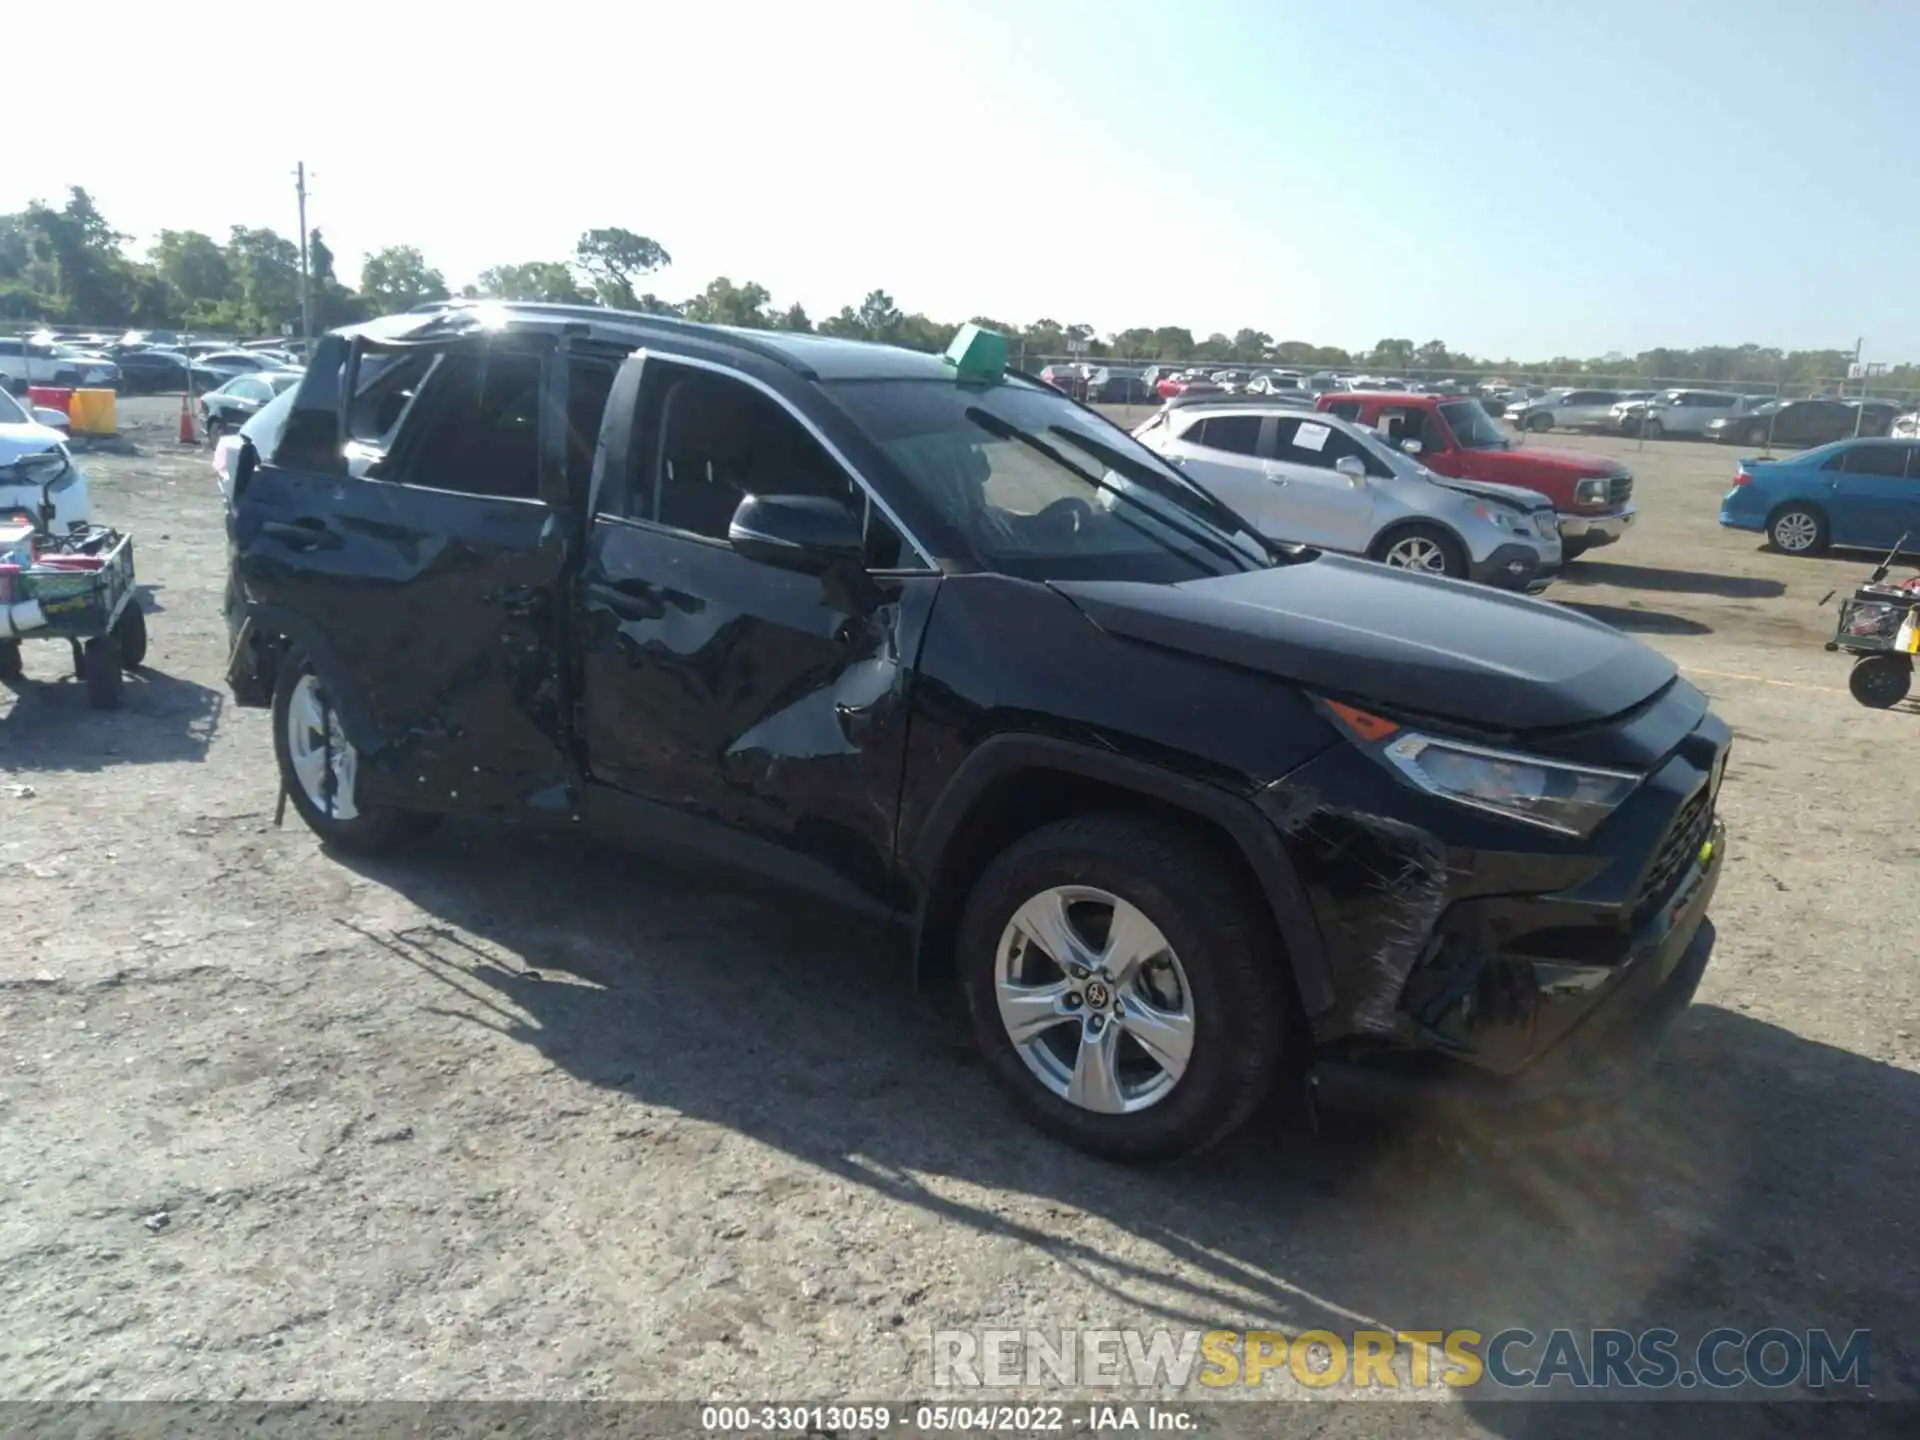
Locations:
1597 529
1477 961
1515 566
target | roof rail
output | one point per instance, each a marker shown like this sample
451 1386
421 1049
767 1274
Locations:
1295 399
628 319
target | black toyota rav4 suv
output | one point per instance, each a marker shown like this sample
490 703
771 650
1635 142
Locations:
1185 813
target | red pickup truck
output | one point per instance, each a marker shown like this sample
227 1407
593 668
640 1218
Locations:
1452 435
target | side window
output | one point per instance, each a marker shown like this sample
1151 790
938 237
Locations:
707 441
1397 425
1236 434
1345 409
250 390
477 428
1308 442
9 348
1719 402
1876 460
1913 462
1434 436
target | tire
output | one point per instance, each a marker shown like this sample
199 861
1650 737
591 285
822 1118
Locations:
1436 551
11 667
1797 530
100 669
369 829
1572 549
130 633
1880 681
214 428
1213 967
1539 424
1654 429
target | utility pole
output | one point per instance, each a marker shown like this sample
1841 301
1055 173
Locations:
306 306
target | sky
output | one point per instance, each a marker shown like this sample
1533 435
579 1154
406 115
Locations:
1517 179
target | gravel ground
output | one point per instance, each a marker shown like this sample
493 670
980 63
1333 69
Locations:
519 1118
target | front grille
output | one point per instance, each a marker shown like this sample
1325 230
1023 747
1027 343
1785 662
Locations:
1546 524
1677 851
1619 489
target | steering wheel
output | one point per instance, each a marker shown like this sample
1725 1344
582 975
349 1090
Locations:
1070 512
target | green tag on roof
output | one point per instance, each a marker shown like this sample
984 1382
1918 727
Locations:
978 356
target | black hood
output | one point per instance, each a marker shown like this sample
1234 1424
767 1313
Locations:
1440 647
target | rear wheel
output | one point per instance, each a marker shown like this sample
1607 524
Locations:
1123 986
10 666
1798 530
1425 548
1880 681
320 767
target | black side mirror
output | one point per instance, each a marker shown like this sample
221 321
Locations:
797 532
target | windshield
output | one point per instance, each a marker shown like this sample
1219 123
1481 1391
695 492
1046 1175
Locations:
1472 427
1031 485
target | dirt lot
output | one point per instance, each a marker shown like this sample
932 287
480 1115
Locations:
514 1117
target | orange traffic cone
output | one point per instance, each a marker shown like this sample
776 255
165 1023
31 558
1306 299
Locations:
187 437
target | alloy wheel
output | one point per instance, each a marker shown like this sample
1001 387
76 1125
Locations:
324 762
1796 531
1416 552
1094 1000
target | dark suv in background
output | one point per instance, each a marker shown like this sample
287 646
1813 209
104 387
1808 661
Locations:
1186 813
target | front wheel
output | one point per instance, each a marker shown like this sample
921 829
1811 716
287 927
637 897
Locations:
100 668
320 768
1655 429
1880 681
130 633
1425 548
1122 983
1572 548
1539 424
1798 530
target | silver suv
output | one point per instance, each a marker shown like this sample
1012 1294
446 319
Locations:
1314 479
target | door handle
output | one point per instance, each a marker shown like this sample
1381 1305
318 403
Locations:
302 534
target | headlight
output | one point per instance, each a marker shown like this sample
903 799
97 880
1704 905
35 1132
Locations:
1571 799
1511 521
1592 492
1567 799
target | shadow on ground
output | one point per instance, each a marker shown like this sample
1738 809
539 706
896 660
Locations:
1675 582
46 723
1762 1179
1638 621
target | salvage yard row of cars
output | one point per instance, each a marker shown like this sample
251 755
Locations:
139 362
922 637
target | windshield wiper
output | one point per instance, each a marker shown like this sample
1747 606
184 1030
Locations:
994 425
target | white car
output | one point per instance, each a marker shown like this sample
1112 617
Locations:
1311 478
31 453
1566 409
1683 412
33 362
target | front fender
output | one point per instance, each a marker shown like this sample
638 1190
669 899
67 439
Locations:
1001 759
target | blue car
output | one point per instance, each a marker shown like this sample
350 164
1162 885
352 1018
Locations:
1852 492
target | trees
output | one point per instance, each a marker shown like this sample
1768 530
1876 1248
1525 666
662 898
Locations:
1391 354
546 280
398 278
614 258
725 303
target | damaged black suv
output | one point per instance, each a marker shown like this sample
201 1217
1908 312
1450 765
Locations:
1185 813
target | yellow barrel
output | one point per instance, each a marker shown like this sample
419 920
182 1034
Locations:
92 412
